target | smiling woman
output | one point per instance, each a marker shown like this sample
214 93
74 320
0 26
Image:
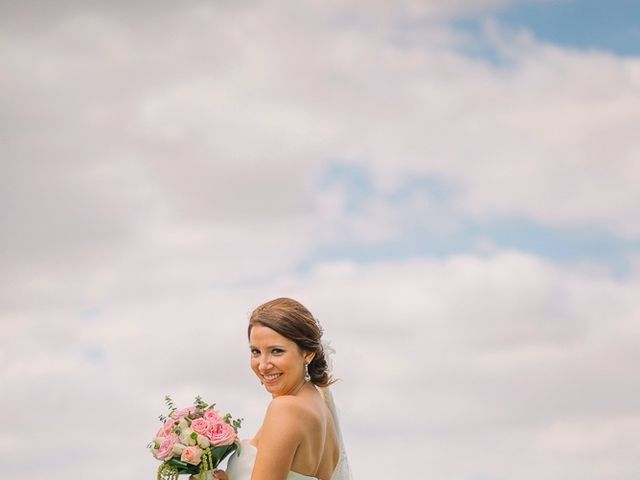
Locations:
300 437
295 324
276 360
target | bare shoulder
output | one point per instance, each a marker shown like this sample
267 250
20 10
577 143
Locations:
286 425
289 408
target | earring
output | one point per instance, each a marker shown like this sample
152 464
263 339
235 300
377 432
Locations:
307 377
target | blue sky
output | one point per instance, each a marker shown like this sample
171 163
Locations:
604 26
612 26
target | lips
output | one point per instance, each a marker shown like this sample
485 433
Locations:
271 378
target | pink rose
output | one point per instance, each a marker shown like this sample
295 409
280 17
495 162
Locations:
212 416
165 452
221 434
200 425
166 429
191 455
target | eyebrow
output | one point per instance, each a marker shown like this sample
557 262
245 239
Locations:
270 346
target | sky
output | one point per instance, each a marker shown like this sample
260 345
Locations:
450 187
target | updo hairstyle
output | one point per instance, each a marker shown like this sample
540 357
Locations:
292 320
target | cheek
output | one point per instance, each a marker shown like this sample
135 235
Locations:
254 364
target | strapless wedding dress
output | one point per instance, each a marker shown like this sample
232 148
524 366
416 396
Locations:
241 461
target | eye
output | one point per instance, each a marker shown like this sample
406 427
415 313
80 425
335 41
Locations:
255 352
277 351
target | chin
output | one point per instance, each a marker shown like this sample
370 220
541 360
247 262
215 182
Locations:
275 389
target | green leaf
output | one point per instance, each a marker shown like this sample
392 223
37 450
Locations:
219 453
183 467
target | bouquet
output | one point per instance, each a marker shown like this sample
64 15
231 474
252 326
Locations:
193 440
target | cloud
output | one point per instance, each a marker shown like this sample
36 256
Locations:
166 169
190 124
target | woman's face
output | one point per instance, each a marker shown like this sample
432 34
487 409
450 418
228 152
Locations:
277 361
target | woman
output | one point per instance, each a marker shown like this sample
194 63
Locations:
300 437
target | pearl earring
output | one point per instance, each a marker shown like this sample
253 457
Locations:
307 377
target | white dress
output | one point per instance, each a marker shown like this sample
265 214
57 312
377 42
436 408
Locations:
241 462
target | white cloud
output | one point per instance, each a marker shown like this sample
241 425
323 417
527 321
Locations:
211 124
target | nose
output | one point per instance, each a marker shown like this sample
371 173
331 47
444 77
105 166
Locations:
264 363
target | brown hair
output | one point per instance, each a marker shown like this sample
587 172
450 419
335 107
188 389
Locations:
292 320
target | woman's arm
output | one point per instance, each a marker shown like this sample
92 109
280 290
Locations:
281 434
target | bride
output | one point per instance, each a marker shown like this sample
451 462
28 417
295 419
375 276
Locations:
300 437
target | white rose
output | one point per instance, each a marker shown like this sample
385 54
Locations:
183 424
203 441
185 437
178 448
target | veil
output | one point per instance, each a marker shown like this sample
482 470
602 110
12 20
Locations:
342 471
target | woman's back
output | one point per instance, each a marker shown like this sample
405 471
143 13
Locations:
319 455
318 450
